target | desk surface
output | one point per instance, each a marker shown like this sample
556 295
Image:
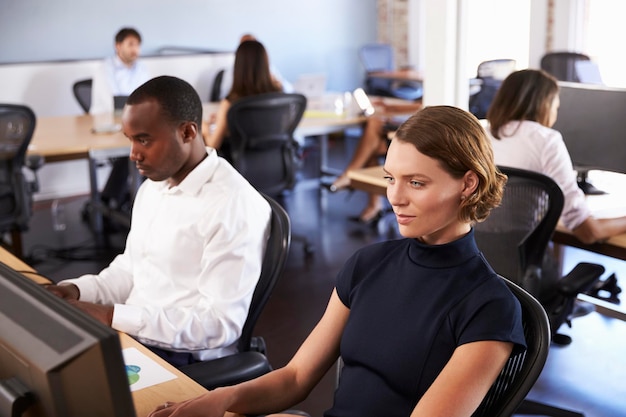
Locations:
147 399
70 137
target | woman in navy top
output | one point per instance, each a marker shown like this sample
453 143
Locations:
423 324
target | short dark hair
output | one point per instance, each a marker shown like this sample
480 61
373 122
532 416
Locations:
125 33
179 101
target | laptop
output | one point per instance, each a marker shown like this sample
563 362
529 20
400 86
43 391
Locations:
119 102
311 85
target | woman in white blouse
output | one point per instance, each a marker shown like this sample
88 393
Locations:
520 121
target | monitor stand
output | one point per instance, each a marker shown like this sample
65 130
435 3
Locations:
586 186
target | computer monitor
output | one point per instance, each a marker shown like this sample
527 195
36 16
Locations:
56 361
119 102
592 120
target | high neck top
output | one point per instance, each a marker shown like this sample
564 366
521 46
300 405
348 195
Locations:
446 255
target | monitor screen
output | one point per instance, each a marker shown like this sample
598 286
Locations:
593 124
64 363
119 102
592 121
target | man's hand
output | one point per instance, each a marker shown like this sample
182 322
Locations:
66 291
102 313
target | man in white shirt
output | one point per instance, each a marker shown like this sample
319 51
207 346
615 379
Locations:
120 74
193 255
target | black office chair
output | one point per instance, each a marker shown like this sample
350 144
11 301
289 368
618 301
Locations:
562 65
250 361
380 57
82 92
17 125
523 368
216 88
515 238
489 77
261 145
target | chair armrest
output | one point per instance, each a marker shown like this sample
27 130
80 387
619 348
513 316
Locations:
531 281
228 370
580 279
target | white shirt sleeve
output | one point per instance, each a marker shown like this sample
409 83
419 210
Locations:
101 93
557 164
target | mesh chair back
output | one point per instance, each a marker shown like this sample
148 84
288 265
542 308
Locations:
216 88
562 65
262 146
17 125
497 69
82 93
515 236
491 74
274 260
523 366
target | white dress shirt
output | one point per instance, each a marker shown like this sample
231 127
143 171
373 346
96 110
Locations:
192 260
114 78
532 146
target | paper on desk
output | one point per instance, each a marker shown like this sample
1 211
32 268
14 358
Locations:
142 371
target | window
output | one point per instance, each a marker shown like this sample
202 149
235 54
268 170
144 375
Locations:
603 31
497 29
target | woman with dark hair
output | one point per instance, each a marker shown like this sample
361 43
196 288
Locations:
520 119
423 324
251 76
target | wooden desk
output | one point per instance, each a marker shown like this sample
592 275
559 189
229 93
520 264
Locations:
610 205
369 179
67 138
147 399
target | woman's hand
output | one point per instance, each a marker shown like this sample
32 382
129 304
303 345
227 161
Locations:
206 405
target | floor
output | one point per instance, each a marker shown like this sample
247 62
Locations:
588 376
